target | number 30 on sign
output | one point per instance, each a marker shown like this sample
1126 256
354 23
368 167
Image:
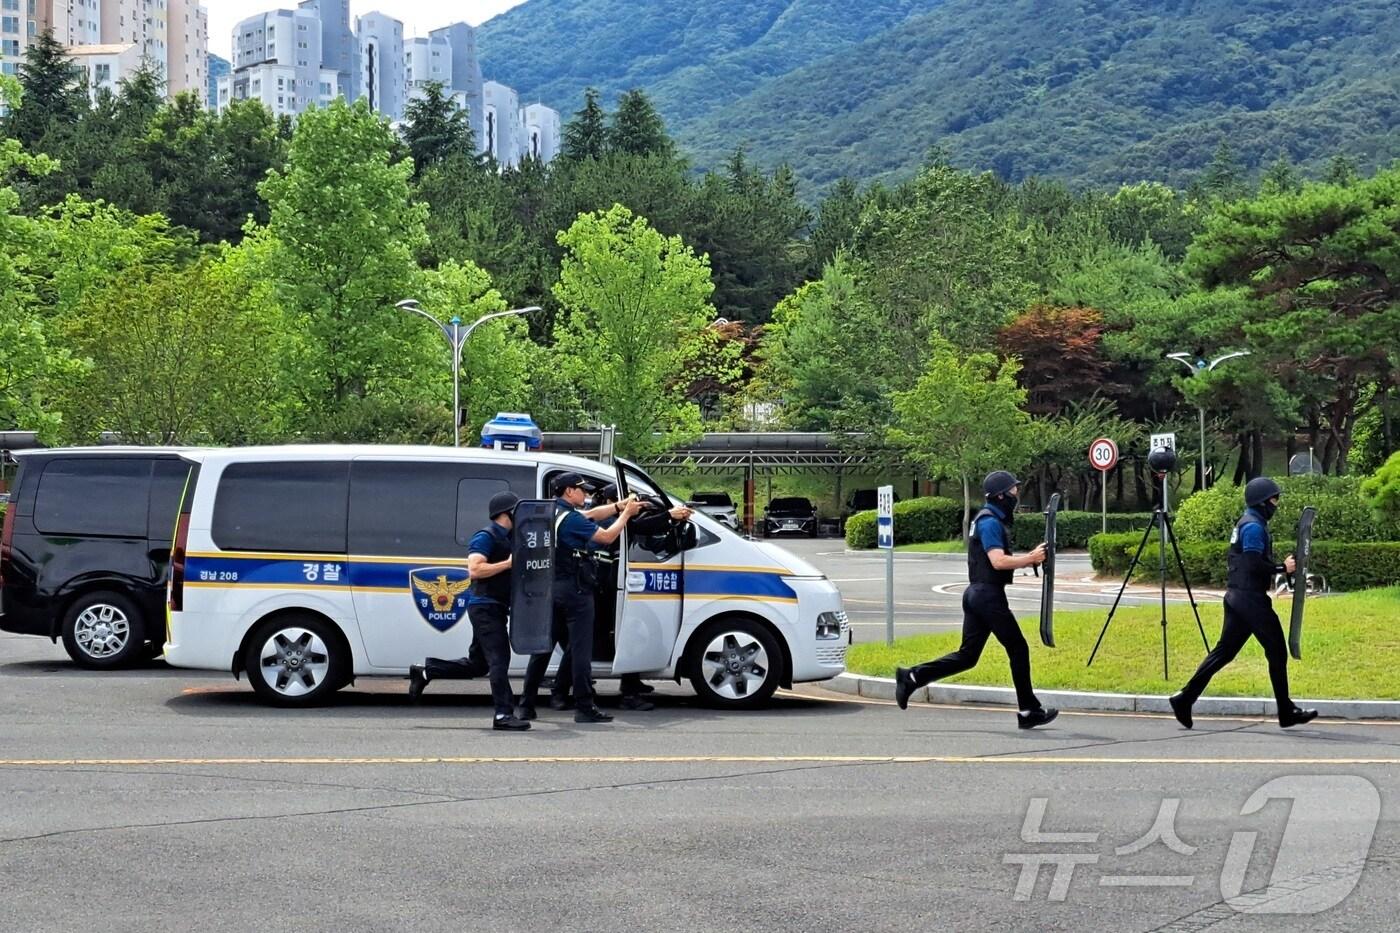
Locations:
1103 454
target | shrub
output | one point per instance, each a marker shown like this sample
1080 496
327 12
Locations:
932 518
1346 565
1342 515
1382 491
1073 529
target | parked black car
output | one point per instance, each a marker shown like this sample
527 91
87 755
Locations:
86 547
790 515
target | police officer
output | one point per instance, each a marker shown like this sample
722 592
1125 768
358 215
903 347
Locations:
577 537
990 567
648 522
472 666
1250 567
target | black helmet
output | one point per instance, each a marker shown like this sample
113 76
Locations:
607 494
998 483
1260 490
502 502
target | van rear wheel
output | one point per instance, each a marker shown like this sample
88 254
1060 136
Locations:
103 630
296 660
734 663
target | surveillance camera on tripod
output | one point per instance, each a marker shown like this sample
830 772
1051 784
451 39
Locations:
1162 462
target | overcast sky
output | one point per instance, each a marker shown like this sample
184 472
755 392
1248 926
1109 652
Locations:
418 16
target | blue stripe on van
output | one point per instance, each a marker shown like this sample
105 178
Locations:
737 583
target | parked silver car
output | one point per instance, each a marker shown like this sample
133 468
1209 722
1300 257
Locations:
718 506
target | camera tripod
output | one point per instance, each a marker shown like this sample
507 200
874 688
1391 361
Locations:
1162 521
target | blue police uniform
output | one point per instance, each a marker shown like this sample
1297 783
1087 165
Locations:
575 584
488 606
986 612
1250 568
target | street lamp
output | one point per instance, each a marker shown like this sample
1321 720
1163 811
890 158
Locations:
456 338
1197 364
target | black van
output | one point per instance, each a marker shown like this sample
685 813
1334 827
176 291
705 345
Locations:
86 547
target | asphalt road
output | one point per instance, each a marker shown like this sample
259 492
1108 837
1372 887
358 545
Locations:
928 587
160 799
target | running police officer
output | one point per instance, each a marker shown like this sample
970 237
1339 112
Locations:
1250 568
577 537
990 567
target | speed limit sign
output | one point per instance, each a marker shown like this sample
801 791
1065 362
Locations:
1103 454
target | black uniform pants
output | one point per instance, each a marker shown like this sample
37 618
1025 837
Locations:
489 631
985 613
473 665
1246 613
572 627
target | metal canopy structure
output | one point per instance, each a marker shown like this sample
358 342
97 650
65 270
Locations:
782 454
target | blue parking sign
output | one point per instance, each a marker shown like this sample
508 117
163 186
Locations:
884 517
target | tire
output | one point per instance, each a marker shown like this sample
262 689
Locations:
296 660
103 631
734 663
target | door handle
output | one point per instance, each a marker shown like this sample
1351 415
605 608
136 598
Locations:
636 581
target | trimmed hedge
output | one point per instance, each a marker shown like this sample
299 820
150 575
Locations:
932 518
1346 565
1342 515
1072 529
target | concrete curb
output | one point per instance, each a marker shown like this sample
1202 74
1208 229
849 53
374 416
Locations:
882 688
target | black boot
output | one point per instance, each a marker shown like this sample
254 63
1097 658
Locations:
510 723
1182 707
591 713
560 701
417 679
903 686
526 712
1036 717
1296 716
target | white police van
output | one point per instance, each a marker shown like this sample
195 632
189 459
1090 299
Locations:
306 566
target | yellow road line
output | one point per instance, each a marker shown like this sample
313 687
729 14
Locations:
690 759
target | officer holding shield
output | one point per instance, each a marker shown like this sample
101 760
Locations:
577 537
488 604
990 568
1250 567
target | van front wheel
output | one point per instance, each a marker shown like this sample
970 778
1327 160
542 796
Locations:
734 664
295 661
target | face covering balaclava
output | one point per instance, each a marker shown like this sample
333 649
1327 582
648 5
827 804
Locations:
1267 509
1007 503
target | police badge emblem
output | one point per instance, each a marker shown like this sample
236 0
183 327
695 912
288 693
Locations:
440 593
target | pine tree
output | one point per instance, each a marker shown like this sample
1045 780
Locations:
53 92
586 135
436 129
637 127
1223 177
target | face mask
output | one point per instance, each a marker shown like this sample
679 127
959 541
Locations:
1008 505
1266 509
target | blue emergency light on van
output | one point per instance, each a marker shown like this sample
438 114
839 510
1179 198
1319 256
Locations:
511 431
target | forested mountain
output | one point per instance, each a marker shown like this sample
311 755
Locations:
1092 91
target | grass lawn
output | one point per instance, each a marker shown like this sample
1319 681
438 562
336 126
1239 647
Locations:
1351 650
935 547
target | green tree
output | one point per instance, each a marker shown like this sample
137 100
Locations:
1382 490
637 128
636 303
964 417
52 92
345 235
436 129
836 224
586 135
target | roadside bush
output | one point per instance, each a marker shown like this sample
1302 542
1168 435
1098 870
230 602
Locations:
932 518
1346 565
1073 529
1382 491
1342 515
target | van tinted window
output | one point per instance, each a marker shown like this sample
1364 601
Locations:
407 509
104 496
296 506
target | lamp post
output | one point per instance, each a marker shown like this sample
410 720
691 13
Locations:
456 337
1197 364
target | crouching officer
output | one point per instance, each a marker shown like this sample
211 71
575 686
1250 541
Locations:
990 567
488 603
1250 568
577 537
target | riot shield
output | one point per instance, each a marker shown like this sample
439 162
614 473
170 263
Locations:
532 577
1047 576
1301 555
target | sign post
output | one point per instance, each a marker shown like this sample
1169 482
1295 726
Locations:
1103 456
884 533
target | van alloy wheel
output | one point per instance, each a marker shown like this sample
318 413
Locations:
735 665
294 661
101 631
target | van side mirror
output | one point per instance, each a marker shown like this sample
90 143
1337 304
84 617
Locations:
686 536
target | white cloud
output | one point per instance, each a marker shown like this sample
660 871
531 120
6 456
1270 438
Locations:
419 16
